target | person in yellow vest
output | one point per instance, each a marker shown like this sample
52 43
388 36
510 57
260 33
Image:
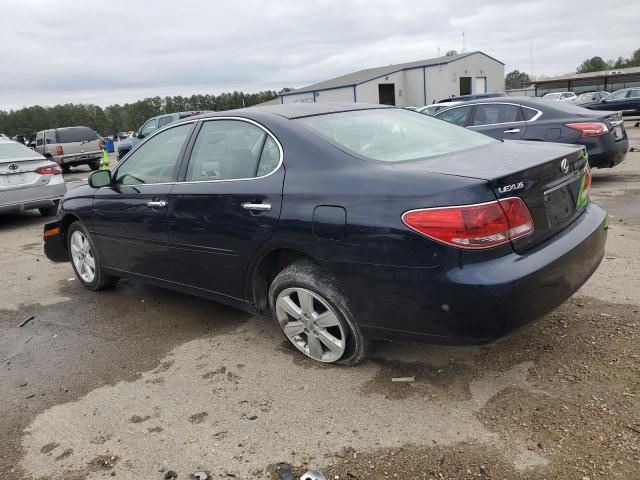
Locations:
104 163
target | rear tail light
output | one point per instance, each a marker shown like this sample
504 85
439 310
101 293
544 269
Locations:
53 170
59 150
473 226
589 129
585 186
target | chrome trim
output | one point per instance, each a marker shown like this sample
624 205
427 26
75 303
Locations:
513 130
257 207
533 119
572 177
157 204
172 125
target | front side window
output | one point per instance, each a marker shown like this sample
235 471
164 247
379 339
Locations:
393 135
619 95
495 113
457 116
231 149
155 160
39 139
635 93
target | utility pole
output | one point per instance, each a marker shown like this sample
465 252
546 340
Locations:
462 41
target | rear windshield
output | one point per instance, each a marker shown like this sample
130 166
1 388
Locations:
16 150
76 134
393 135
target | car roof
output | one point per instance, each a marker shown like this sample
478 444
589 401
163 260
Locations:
295 110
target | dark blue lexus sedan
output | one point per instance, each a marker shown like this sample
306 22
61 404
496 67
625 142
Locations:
347 222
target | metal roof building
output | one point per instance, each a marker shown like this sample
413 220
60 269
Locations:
609 80
408 84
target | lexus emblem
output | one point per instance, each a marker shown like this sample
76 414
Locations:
564 165
13 166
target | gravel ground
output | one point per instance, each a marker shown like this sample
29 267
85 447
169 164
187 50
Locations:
136 381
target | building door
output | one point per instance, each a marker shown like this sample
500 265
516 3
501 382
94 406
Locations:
481 85
465 85
387 94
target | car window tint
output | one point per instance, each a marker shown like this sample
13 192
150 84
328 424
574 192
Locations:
457 116
162 121
149 127
269 159
619 95
529 113
224 150
74 134
495 113
155 160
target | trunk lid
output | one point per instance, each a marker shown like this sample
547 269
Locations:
19 174
548 177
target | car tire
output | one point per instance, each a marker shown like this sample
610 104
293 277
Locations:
91 278
48 211
336 332
94 165
66 168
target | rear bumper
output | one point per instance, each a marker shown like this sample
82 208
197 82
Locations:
605 151
79 159
29 198
478 302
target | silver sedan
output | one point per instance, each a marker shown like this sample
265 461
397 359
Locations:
28 180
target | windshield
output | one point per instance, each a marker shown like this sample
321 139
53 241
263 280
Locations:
15 150
393 135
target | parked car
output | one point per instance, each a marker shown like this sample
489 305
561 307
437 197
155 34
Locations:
70 146
388 224
529 118
476 96
626 100
436 107
560 96
589 97
147 128
28 180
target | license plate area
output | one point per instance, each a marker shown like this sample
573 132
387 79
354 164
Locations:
617 132
13 179
561 201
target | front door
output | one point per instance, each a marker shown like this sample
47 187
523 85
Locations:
227 206
499 120
465 85
130 216
387 93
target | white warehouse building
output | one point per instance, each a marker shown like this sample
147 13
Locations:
408 84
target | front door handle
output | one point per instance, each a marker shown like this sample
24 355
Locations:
257 207
513 130
157 204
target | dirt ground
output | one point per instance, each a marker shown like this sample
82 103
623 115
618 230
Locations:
136 381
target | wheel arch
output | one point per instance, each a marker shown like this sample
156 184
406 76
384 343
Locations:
265 270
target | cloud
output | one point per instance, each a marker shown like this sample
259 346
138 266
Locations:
119 51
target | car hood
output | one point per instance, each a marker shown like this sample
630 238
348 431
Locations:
79 192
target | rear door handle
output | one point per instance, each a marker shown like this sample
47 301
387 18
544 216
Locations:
513 130
257 207
157 204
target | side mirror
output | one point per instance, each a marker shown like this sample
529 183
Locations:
100 178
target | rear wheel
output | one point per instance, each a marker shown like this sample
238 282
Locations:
95 165
314 315
65 168
86 260
47 211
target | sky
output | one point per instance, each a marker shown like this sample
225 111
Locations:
107 52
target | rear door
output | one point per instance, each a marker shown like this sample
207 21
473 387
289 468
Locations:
129 222
499 120
227 206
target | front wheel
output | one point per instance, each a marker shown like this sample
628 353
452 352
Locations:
85 259
314 315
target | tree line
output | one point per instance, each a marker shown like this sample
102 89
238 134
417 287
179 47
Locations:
117 118
517 79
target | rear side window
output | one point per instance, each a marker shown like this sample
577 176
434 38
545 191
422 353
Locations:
162 121
231 149
495 113
457 115
76 134
529 113
635 93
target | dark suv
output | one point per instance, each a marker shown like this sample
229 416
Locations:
150 126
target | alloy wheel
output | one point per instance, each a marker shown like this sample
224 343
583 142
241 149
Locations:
82 256
311 324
